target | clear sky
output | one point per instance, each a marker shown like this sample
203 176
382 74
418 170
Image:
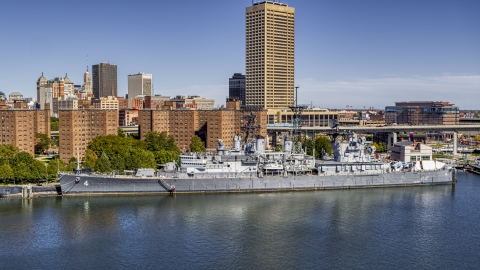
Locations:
347 52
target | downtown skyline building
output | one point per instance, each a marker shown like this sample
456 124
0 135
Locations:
139 84
270 47
236 87
87 83
104 80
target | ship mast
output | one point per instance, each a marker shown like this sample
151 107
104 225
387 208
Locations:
297 111
250 127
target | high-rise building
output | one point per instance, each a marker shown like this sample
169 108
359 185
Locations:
78 127
236 87
19 125
104 80
270 55
87 82
139 84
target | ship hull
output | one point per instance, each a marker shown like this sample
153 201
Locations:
83 184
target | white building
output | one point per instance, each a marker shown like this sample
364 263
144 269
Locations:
45 95
139 85
410 151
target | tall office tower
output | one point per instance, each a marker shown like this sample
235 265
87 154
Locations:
236 87
104 80
139 84
87 82
270 55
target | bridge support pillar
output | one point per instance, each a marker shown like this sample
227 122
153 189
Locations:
392 139
455 140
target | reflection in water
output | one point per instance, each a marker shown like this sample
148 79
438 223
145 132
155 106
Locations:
413 227
86 207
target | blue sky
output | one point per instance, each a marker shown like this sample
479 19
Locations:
367 53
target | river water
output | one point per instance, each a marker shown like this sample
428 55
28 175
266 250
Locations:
431 227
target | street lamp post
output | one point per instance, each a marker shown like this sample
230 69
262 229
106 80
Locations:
46 172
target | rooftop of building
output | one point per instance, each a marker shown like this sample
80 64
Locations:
42 78
270 2
423 103
105 63
140 73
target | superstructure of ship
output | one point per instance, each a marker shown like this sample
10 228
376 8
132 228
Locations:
248 167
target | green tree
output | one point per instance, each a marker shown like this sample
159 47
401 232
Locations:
139 158
55 165
164 156
72 164
43 142
309 145
53 123
103 164
26 168
160 141
6 173
380 147
118 163
121 132
38 171
7 152
197 145
114 145
278 148
55 141
22 157
90 159
21 172
322 145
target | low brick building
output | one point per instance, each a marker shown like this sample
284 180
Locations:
210 125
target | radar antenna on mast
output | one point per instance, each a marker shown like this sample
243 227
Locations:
250 126
297 111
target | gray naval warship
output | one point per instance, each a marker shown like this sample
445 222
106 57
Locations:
248 167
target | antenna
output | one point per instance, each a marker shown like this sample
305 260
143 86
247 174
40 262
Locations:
297 111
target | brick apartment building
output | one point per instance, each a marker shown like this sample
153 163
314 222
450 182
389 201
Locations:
210 125
78 127
19 125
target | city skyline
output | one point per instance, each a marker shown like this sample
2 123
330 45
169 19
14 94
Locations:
368 54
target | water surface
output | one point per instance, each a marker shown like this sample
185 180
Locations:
431 227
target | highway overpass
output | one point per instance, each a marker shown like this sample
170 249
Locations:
392 128
359 129
127 129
